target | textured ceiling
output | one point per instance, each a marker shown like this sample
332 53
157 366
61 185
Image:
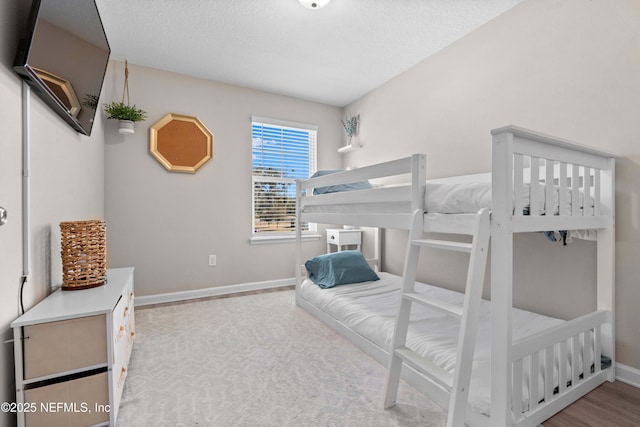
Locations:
334 55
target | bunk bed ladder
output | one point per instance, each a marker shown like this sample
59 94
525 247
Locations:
457 384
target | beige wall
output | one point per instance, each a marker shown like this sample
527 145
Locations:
67 182
568 68
166 223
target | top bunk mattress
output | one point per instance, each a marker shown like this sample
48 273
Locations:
460 194
453 195
369 309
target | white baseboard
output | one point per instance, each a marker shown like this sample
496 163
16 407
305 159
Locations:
211 292
627 374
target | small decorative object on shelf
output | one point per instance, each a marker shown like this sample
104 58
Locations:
350 126
125 113
84 254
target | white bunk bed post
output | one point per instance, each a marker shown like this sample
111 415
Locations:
606 292
501 278
298 265
418 178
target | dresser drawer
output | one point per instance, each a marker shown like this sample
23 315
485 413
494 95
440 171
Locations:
332 236
66 345
123 336
72 371
343 237
76 403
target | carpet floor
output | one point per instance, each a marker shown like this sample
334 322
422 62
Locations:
256 360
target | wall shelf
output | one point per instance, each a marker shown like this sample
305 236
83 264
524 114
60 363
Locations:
347 148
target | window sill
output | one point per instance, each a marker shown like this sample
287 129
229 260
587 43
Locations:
260 240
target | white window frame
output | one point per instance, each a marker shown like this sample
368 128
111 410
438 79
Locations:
282 236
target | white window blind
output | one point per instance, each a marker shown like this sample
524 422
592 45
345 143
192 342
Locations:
282 152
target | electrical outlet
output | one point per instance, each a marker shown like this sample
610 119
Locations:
212 260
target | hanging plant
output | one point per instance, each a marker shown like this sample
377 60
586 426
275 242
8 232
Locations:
121 111
127 114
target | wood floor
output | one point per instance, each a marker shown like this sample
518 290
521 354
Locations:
611 405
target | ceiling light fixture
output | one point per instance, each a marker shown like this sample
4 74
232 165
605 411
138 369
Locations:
314 4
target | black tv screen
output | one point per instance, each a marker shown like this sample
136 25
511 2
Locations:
64 58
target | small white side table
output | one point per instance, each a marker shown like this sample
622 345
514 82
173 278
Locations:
343 237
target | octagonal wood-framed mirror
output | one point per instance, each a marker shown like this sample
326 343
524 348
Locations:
62 88
181 143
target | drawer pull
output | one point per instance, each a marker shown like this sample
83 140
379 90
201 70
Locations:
123 375
120 333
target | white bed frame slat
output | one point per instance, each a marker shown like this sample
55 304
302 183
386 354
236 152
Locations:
570 153
563 200
380 170
596 195
534 365
575 360
586 191
534 195
518 184
597 343
548 373
549 188
518 374
575 190
384 220
587 354
570 328
527 224
377 195
562 366
449 224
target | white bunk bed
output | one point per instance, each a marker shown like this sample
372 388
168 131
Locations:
579 183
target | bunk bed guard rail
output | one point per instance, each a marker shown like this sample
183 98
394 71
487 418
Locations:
569 360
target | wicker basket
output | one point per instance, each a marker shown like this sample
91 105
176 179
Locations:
84 254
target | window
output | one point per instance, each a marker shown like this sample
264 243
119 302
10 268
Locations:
282 152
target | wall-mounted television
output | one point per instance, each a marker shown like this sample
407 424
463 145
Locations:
64 58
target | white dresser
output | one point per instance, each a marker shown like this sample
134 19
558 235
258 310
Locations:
71 355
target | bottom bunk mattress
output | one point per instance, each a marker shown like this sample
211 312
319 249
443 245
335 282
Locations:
370 308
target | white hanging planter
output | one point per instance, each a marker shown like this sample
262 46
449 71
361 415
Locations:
125 127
